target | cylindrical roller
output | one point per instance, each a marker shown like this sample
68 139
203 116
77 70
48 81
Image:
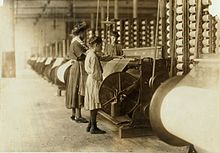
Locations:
192 50
192 33
190 108
179 42
206 2
179 26
179 10
192 9
179 2
205 50
205 34
179 66
192 25
205 42
179 34
205 25
180 58
192 2
192 42
179 50
192 17
205 17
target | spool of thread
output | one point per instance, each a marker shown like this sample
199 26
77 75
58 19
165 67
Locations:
206 2
192 50
168 43
179 18
143 38
192 17
179 2
192 25
168 35
179 34
192 33
143 43
160 37
191 57
126 22
168 12
126 28
126 43
179 42
192 9
135 27
168 5
168 20
118 28
160 27
205 42
151 27
126 32
180 58
160 32
143 32
143 22
168 28
179 66
205 25
152 22
205 50
205 17
192 42
168 50
179 26
143 27
135 33
179 10
192 2
126 38
179 73
179 50
216 25
191 66
205 34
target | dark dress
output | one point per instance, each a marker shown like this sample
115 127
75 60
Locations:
75 88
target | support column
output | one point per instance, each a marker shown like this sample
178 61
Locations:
135 8
92 21
116 9
102 16
7 31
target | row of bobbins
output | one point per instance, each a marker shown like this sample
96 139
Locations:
168 26
135 36
206 27
126 33
217 40
192 31
144 33
180 37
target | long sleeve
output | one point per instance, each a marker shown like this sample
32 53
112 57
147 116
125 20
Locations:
93 67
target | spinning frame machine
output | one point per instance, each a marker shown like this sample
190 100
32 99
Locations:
126 92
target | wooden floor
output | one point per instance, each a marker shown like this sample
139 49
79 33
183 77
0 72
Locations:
34 119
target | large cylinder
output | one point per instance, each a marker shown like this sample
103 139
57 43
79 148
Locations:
188 109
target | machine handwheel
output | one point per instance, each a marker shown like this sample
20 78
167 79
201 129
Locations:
112 86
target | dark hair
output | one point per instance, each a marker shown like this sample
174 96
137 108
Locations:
95 39
82 26
115 33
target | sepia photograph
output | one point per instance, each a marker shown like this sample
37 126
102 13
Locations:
114 76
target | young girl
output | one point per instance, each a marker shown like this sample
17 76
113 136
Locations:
93 82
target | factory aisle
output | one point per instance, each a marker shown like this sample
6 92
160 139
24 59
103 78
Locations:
33 119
